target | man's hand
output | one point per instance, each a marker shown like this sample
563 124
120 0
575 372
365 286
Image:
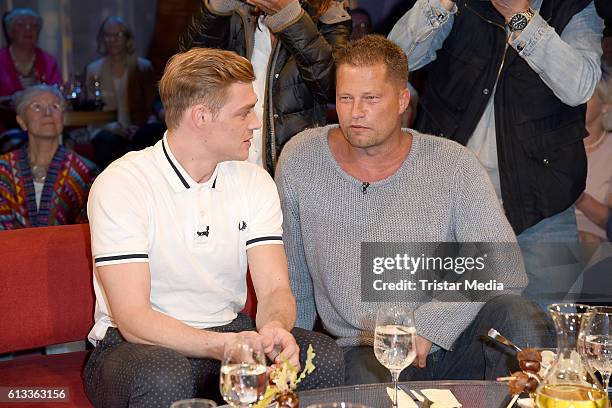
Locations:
279 344
423 346
508 8
447 4
230 338
270 6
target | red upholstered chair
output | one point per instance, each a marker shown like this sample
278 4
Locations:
46 297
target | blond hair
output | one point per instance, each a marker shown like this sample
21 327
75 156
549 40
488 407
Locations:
200 76
375 49
130 46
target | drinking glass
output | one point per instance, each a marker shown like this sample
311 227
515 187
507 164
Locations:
596 336
194 403
243 372
395 340
338 405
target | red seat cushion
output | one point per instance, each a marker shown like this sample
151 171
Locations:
45 286
54 371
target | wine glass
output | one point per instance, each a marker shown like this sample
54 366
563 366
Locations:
395 340
194 403
243 372
338 405
596 339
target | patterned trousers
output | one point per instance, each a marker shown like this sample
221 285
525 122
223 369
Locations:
122 374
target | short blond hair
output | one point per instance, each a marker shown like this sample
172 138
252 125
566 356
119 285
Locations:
375 49
200 76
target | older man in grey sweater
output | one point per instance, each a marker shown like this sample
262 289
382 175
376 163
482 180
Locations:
370 181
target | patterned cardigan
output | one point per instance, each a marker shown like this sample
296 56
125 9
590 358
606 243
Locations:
64 195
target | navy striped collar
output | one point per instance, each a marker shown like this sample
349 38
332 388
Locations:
178 176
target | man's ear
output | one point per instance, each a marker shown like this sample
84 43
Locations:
22 123
201 115
404 100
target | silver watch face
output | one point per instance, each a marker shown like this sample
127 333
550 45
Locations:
518 22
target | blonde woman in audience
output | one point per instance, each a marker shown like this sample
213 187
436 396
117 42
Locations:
127 85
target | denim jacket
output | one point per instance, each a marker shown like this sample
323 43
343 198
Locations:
568 64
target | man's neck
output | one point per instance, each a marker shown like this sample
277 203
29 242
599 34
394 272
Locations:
370 164
199 166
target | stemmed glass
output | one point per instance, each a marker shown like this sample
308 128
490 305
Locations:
596 338
395 340
194 403
243 372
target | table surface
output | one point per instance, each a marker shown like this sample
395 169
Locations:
85 118
471 394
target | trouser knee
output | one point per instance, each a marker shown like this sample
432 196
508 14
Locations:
329 359
519 319
165 378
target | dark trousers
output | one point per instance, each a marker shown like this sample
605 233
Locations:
472 357
122 374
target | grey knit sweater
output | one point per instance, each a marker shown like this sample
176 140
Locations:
440 193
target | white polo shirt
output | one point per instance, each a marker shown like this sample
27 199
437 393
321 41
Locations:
146 208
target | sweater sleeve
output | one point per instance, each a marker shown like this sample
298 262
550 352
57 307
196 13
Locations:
479 218
299 275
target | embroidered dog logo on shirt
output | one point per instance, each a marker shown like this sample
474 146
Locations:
203 233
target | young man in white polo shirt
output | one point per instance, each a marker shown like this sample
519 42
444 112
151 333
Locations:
173 229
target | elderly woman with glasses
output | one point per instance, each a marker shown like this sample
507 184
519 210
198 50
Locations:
43 183
22 63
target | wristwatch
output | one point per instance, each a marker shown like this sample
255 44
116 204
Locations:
520 20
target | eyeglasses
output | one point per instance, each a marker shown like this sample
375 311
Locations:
111 36
54 108
26 24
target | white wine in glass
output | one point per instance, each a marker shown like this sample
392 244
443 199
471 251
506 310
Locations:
596 332
395 340
243 378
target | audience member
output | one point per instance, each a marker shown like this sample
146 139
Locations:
362 23
127 84
151 132
22 63
291 45
169 289
606 46
43 183
604 9
509 79
593 206
370 181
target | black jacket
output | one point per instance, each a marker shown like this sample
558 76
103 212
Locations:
541 157
301 73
